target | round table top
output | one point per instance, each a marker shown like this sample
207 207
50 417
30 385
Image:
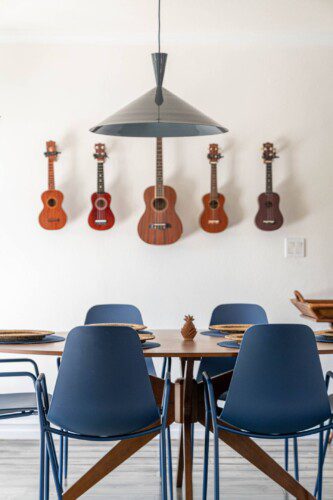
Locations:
172 345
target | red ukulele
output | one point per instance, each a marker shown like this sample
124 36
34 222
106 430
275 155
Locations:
52 216
269 217
160 225
213 218
101 216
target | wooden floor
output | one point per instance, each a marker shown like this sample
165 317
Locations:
139 479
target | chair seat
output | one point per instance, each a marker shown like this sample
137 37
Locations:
18 402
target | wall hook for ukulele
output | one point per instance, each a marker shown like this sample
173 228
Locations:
269 216
101 216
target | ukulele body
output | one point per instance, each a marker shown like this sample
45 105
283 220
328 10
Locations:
213 218
269 216
160 225
101 216
52 216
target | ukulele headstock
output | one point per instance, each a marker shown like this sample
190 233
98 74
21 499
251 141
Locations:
268 152
100 153
214 154
51 151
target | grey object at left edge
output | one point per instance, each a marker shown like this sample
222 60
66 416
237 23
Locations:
158 113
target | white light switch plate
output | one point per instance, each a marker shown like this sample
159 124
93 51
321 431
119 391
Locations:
294 247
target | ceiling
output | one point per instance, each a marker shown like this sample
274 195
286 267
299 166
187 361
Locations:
183 21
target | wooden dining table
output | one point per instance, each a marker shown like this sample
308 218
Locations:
186 407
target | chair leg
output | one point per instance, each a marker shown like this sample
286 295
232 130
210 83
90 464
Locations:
170 473
61 459
286 454
164 367
216 467
205 464
326 443
66 457
42 466
296 459
54 464
47 475
192 439
319 485
163 460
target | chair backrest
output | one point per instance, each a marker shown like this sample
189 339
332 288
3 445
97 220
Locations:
103 387
114 313
225 314
118 313
277 385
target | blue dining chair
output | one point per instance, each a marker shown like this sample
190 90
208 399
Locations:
277 391
90 401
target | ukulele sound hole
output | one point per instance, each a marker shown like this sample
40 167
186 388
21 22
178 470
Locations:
268 204
213 204
51 202
159 203
100 203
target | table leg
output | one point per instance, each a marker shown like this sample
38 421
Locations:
189 417
180 468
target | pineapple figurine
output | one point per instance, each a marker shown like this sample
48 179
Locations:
188 330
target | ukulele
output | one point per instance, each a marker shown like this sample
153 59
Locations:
101 216
213 218
160 225
52 216
269 217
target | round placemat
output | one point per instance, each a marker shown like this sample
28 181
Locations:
150 345
230 344
45 340
212 333
324 338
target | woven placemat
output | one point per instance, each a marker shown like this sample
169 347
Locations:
45 340
230 344
150 345
211 333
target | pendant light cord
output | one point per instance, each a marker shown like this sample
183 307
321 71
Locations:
159 26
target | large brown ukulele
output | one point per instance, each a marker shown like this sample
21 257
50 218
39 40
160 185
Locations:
269 217
101 216
52 216
213 218
160 225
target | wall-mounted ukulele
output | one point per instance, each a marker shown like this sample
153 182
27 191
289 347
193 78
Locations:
160 225
101 216
213 218
269 217
52 216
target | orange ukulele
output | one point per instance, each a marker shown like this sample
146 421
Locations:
160 225
52 216
101 216
213 218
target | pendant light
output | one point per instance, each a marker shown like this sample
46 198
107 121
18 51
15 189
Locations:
158 112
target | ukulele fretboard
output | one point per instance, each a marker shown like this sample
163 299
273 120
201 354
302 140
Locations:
213 182
269 178
100 177
159 168
51 175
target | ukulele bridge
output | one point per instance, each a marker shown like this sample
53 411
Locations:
100 222
160 225
269 221
213 221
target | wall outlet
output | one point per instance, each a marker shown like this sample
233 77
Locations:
294 247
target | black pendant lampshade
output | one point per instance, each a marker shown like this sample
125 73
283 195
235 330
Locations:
158 113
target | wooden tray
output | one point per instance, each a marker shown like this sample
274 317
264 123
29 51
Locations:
318 310
8 335
130 325
236 337
230 328
327 333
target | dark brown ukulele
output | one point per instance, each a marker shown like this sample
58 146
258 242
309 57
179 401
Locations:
52 216
213 218
101 216
269 217
160 225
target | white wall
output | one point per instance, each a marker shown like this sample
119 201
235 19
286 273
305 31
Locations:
266 76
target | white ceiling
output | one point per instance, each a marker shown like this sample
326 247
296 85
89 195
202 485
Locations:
185 21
